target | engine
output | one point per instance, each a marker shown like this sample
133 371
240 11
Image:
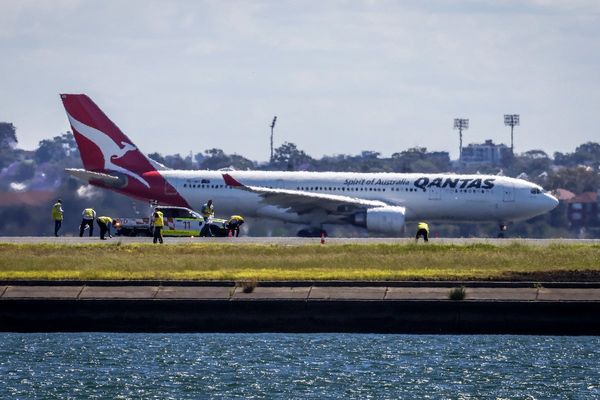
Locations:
382 219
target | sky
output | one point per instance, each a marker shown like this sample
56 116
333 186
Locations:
342 76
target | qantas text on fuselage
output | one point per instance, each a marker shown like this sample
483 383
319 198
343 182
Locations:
381 202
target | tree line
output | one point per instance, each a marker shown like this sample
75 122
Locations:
42 169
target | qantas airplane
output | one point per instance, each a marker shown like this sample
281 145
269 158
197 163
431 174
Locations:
379 202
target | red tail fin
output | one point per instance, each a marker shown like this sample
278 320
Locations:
102 145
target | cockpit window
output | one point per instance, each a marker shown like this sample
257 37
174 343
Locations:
536 191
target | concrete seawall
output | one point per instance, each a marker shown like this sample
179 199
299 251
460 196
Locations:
496 308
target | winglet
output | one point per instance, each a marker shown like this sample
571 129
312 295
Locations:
230 181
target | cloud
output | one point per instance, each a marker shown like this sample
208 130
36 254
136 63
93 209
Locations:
212 74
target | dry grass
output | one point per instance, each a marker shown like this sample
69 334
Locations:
303 262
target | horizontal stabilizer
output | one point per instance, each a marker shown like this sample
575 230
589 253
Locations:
88 176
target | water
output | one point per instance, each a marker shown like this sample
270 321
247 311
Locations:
315 366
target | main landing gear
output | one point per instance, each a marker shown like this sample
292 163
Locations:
503 228
311 232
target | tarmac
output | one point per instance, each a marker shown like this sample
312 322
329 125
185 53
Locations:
285 240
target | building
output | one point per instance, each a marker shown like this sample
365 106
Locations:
486 153
583 210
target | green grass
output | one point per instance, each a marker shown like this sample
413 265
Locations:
302 262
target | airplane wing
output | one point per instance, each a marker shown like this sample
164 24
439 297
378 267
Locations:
302 202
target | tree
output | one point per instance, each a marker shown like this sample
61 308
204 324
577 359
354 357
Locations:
406 161
289 157
577 180
8 140
8 135
240 162
24 170
56 149
157 157
215 159
175 161
586 154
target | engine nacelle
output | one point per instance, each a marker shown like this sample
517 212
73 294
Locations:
383 219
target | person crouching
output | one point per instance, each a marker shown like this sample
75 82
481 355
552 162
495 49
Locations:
422 230
233 225
104 224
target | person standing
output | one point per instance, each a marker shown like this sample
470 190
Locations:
422 230
57 216
207 211
88 217
104 224
234 223
159 223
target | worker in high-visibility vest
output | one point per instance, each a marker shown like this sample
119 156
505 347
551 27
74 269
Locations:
104 224
57 216
207 211
88 216
422 230
233 225
159 223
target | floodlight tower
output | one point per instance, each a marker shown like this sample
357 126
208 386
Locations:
272 127
511 120
460 124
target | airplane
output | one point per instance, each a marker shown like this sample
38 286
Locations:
379 202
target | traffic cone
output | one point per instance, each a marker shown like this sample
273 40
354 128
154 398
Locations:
322 237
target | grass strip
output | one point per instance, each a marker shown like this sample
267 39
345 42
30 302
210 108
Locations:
207 261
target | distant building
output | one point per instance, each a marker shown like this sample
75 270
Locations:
486 153
583 210
563 194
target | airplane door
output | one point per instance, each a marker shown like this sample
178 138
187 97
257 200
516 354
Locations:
508 193
435 193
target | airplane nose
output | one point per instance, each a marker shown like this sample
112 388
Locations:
551 201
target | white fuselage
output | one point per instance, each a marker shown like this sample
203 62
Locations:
432 197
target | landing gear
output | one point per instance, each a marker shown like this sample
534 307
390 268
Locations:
311 232
502 232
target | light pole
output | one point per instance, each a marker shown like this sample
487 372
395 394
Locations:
272 127
511 120
460 124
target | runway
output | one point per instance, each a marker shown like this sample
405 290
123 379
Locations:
71 240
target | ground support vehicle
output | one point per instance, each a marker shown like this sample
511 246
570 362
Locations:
179 221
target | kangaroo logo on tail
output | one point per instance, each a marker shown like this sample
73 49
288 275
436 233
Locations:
109 148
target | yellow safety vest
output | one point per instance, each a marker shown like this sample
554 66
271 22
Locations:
106 220
159 221
57 213
423 225
207 211
88 213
